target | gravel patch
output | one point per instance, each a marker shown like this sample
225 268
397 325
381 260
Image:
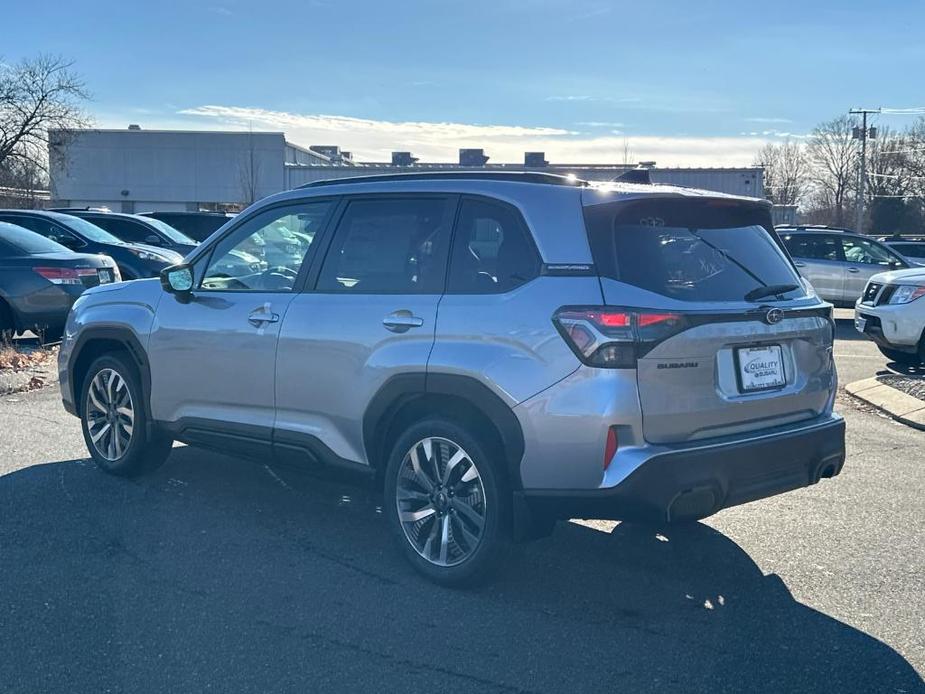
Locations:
910 385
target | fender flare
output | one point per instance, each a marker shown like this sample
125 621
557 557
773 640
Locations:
404 388
127 339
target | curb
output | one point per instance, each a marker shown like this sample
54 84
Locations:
901 407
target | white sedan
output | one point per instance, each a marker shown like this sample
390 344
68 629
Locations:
891 312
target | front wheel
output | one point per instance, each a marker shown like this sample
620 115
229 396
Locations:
115 422
446 503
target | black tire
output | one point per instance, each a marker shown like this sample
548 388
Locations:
142 452
7 324
480 559
904 358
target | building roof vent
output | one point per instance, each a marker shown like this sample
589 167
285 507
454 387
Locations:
472 157
535 160
134 126
403 159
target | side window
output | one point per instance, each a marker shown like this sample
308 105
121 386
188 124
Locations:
266 253
394 246
812 246
867 252
492 250
121 229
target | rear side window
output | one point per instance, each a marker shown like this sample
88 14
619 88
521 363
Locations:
813 246
700 250
911 250
492 249
394 246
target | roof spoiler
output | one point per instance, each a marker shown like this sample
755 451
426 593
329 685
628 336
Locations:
635 176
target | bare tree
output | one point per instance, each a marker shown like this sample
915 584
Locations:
37 96
786 171
249 172
833 155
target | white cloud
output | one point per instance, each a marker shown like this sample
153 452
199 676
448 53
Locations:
601 99
599 124
769 121
374 140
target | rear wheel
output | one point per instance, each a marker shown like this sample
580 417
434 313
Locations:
904 358
446 502
115 421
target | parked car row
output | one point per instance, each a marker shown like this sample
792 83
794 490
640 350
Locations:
41 279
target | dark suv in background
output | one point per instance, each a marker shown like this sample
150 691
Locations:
197 225
137 229
135 261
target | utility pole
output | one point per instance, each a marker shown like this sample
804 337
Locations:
862 134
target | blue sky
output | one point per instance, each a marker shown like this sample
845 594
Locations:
679 82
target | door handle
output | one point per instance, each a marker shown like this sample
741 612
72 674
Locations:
798 264
401 321
261 316
853 269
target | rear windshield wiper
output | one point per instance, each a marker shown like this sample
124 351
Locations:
770 290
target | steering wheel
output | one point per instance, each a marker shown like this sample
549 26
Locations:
279 277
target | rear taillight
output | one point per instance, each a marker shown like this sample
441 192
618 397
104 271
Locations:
613 338
64 275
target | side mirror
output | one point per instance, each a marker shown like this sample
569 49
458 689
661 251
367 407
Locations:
894 264
178 280
153 240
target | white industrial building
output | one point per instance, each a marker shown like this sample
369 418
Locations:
137 170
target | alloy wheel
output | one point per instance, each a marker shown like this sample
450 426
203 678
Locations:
441 501
110 414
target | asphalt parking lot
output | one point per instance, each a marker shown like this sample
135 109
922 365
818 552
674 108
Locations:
217 574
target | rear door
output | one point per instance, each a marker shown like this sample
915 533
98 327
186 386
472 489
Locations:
367 315
864 259
819 259
718 363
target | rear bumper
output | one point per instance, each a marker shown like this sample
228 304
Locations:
697 481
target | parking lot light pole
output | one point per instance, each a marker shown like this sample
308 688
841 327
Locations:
862 134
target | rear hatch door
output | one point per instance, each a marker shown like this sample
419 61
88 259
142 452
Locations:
750 347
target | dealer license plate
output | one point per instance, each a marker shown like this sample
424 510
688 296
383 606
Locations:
760 368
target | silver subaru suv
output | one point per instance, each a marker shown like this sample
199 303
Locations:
498 351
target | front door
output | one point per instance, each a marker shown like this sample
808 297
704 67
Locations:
369 317
213 357
864 259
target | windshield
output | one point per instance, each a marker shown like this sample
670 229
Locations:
174 235
691 252
28 241
89 231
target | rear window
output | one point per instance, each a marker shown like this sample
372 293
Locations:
28 242
690 250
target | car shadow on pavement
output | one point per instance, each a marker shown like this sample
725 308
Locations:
222 574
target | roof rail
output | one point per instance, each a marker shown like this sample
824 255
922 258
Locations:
813 227
515 176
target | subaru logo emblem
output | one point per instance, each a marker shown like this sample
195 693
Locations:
775 315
